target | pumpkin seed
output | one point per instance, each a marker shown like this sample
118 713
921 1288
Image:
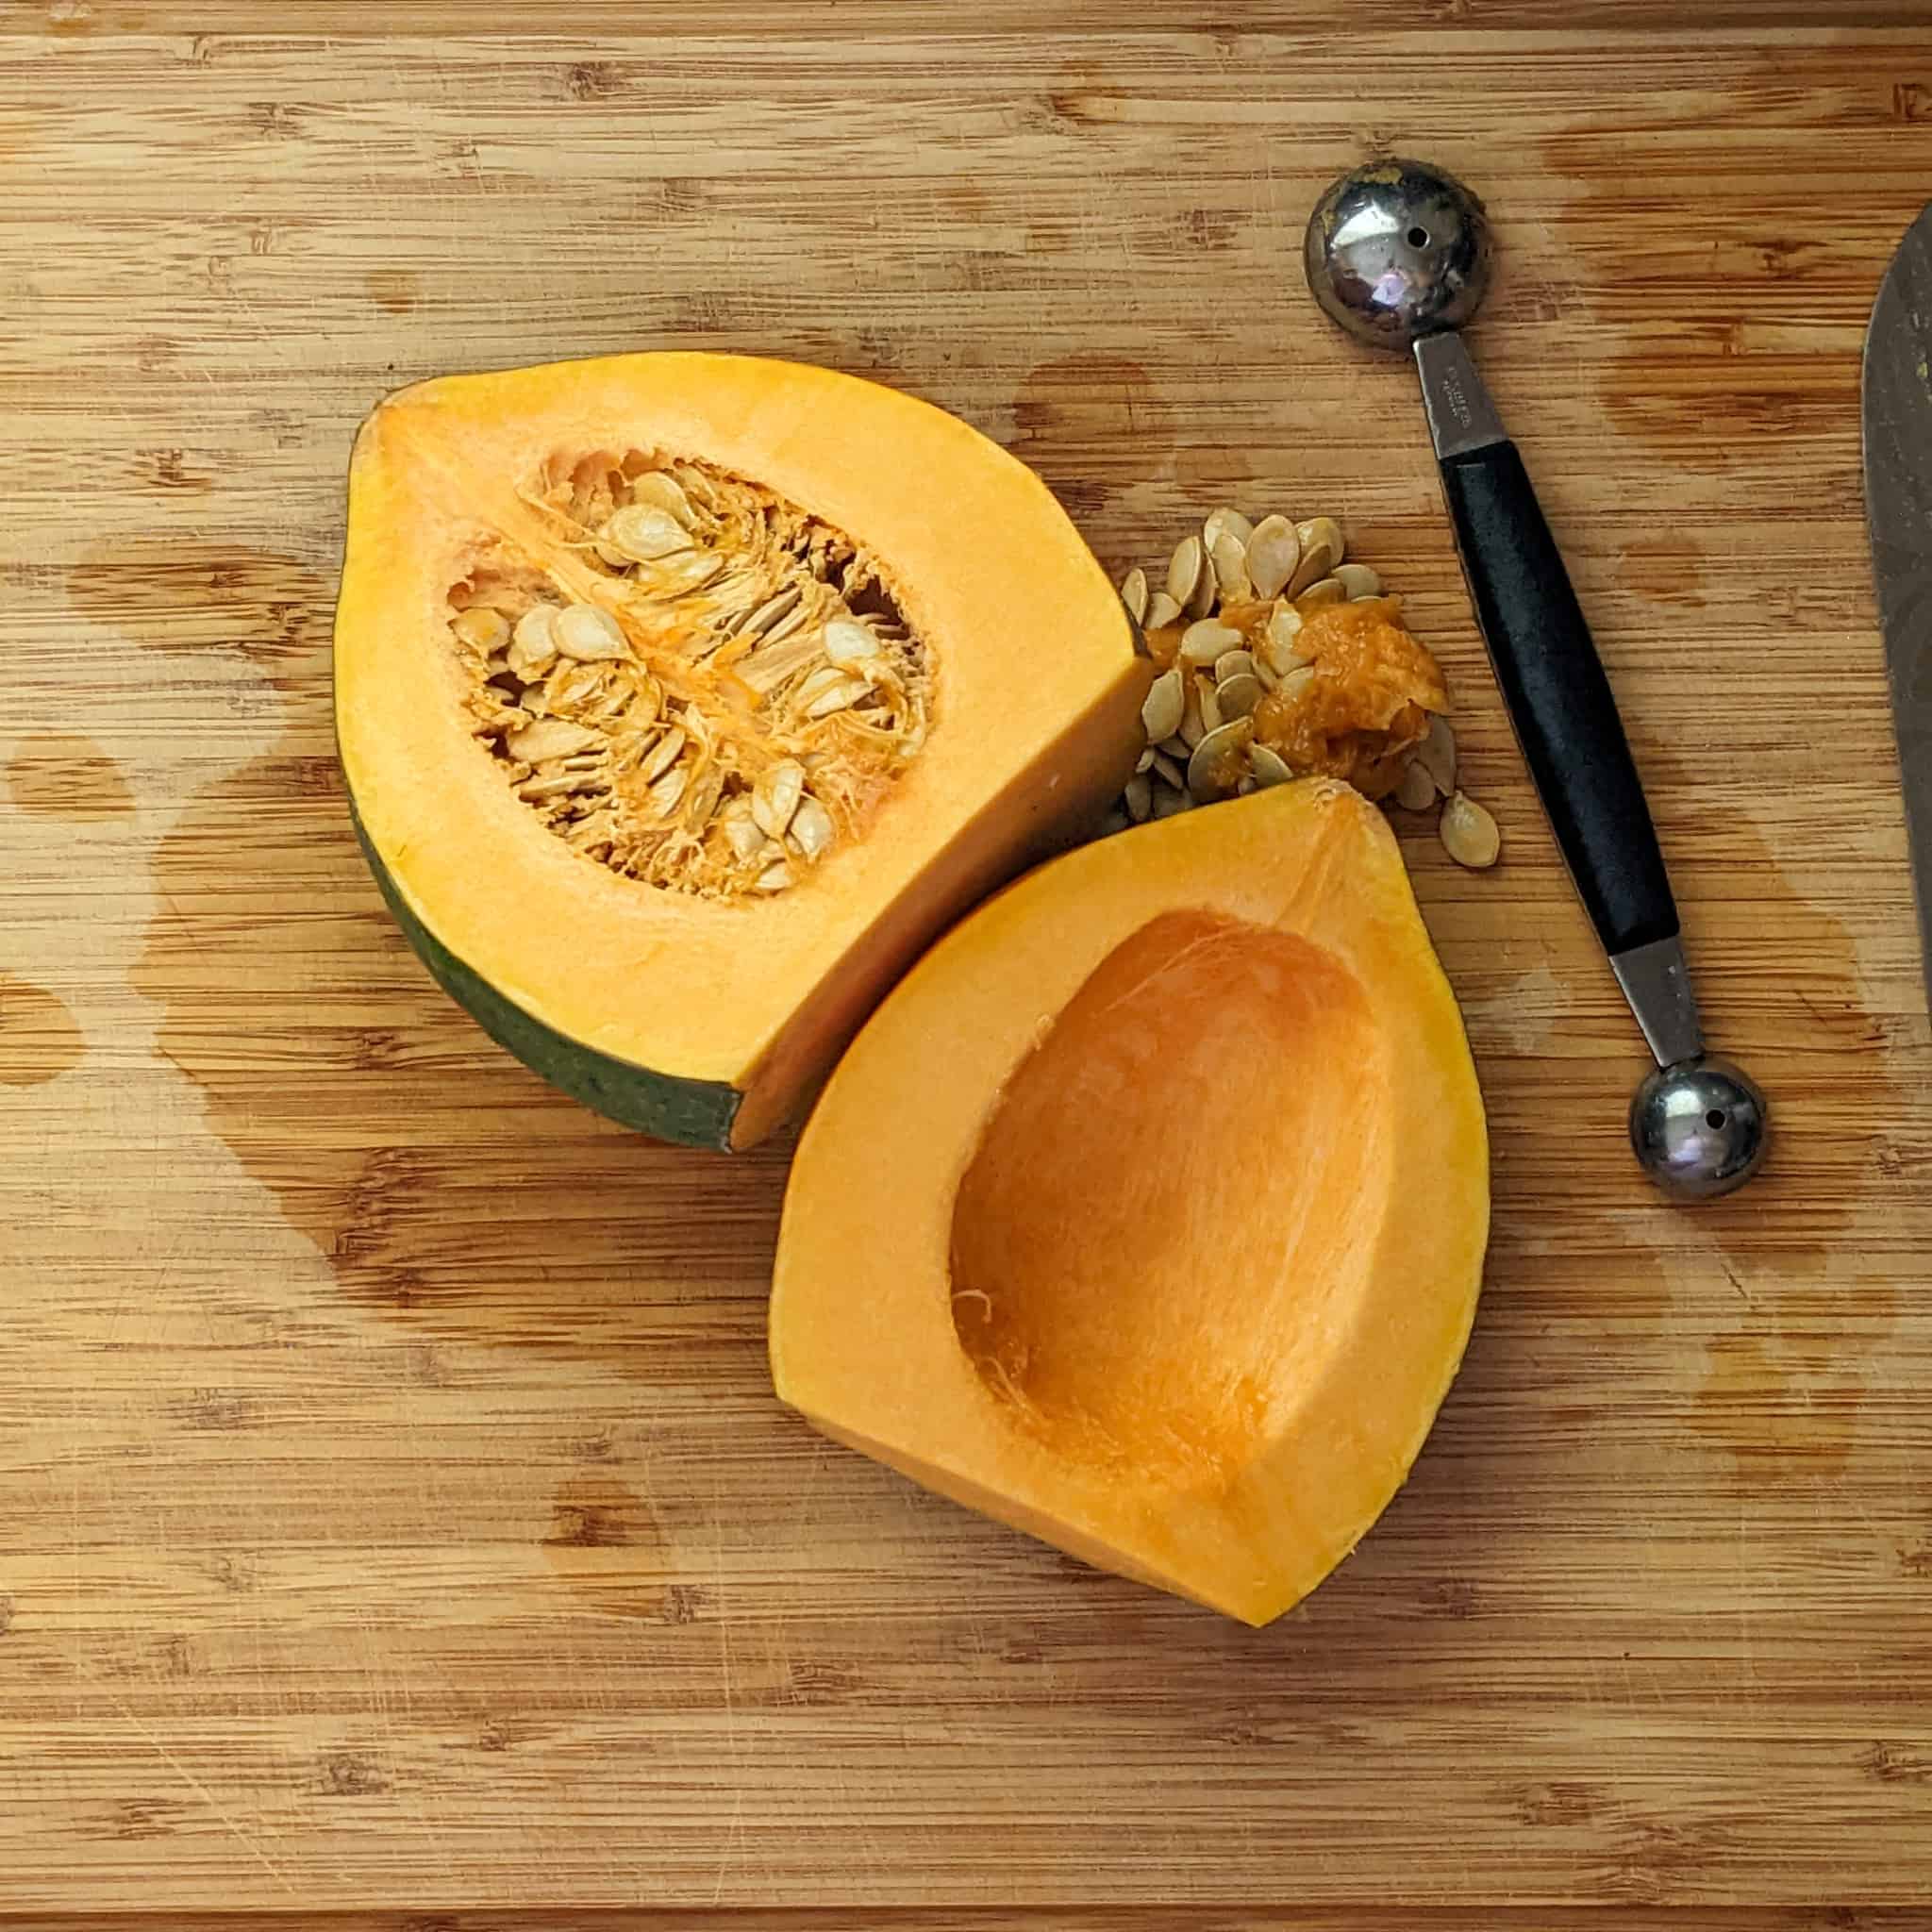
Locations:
742 835
840 697
776 796
533 642
1210 701
1357 580
662 798
485 631
772 609
1134 594
1321 547
1436 754
1170 769
549 738
1239 695
588 633
812 827
1184 570
1470 836
1273 551
1218 763
1167 803
1205 590
657 489
1320 594
848 641
644 533
704 799
1138 797
774 878
1230 561
1415 791
1161 709
1161 611
1233 664
1247 786
1193 729
1145 761
662 755
1204 642
1268 766
1225 521
1296 682
1175 747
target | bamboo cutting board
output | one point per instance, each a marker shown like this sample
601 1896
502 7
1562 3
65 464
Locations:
393 1508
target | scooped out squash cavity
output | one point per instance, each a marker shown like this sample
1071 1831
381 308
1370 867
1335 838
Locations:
1188 1206
682 698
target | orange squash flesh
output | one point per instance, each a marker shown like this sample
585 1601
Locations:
1189 1199
699 1018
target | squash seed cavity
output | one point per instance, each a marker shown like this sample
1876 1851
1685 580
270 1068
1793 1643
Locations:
702 685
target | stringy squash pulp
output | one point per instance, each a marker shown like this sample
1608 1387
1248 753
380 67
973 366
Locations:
676 721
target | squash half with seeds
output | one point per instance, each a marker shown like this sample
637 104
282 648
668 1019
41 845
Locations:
683 698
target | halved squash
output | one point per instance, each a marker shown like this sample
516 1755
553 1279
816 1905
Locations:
1189 1196
683 698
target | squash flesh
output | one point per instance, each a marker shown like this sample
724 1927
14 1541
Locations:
1038 687
1212 1368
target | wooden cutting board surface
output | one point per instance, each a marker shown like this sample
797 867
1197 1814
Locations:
393 1508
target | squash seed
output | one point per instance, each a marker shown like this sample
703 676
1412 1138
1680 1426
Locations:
1268 766
1357 580
1230 562
1134 594
1436 754
812 827
658 490
1320 594
1203 642
1469 834
1161 709
774 878
662 798
1296 682
644 533
662 755
742 835
1161 611
485 631
533 642
1273 551
840 697
1167 803
1184 570
776 796
1219 762
1145 761
1175 747
1193 729
1209 700
1225 521
848 641
771 611
588 633
1233 664
1169 771
1415 791
1139 798
1237 695
1205 591
1321 547
549 738
704 799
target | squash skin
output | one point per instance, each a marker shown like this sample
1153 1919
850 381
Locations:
1253 1522
738 1063
699 1113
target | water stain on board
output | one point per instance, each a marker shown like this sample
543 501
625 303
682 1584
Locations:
445 1182
38 1037
607 1546
64 776
1084 422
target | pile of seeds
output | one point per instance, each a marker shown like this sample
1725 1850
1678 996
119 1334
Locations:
701 686
1242 701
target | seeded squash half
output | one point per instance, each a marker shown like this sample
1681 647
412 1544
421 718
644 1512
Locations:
682 698
1189 1199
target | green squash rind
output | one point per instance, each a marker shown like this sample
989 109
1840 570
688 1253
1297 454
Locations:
698 1113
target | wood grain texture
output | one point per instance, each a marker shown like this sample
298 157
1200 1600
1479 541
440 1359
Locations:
394 1510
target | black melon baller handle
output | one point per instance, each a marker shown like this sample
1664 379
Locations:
1559 698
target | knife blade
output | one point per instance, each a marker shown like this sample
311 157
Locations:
1897 394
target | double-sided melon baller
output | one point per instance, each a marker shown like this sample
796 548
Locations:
1398 254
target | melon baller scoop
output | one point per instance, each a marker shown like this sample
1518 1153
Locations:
1398 254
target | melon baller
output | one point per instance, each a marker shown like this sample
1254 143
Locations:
1398 254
